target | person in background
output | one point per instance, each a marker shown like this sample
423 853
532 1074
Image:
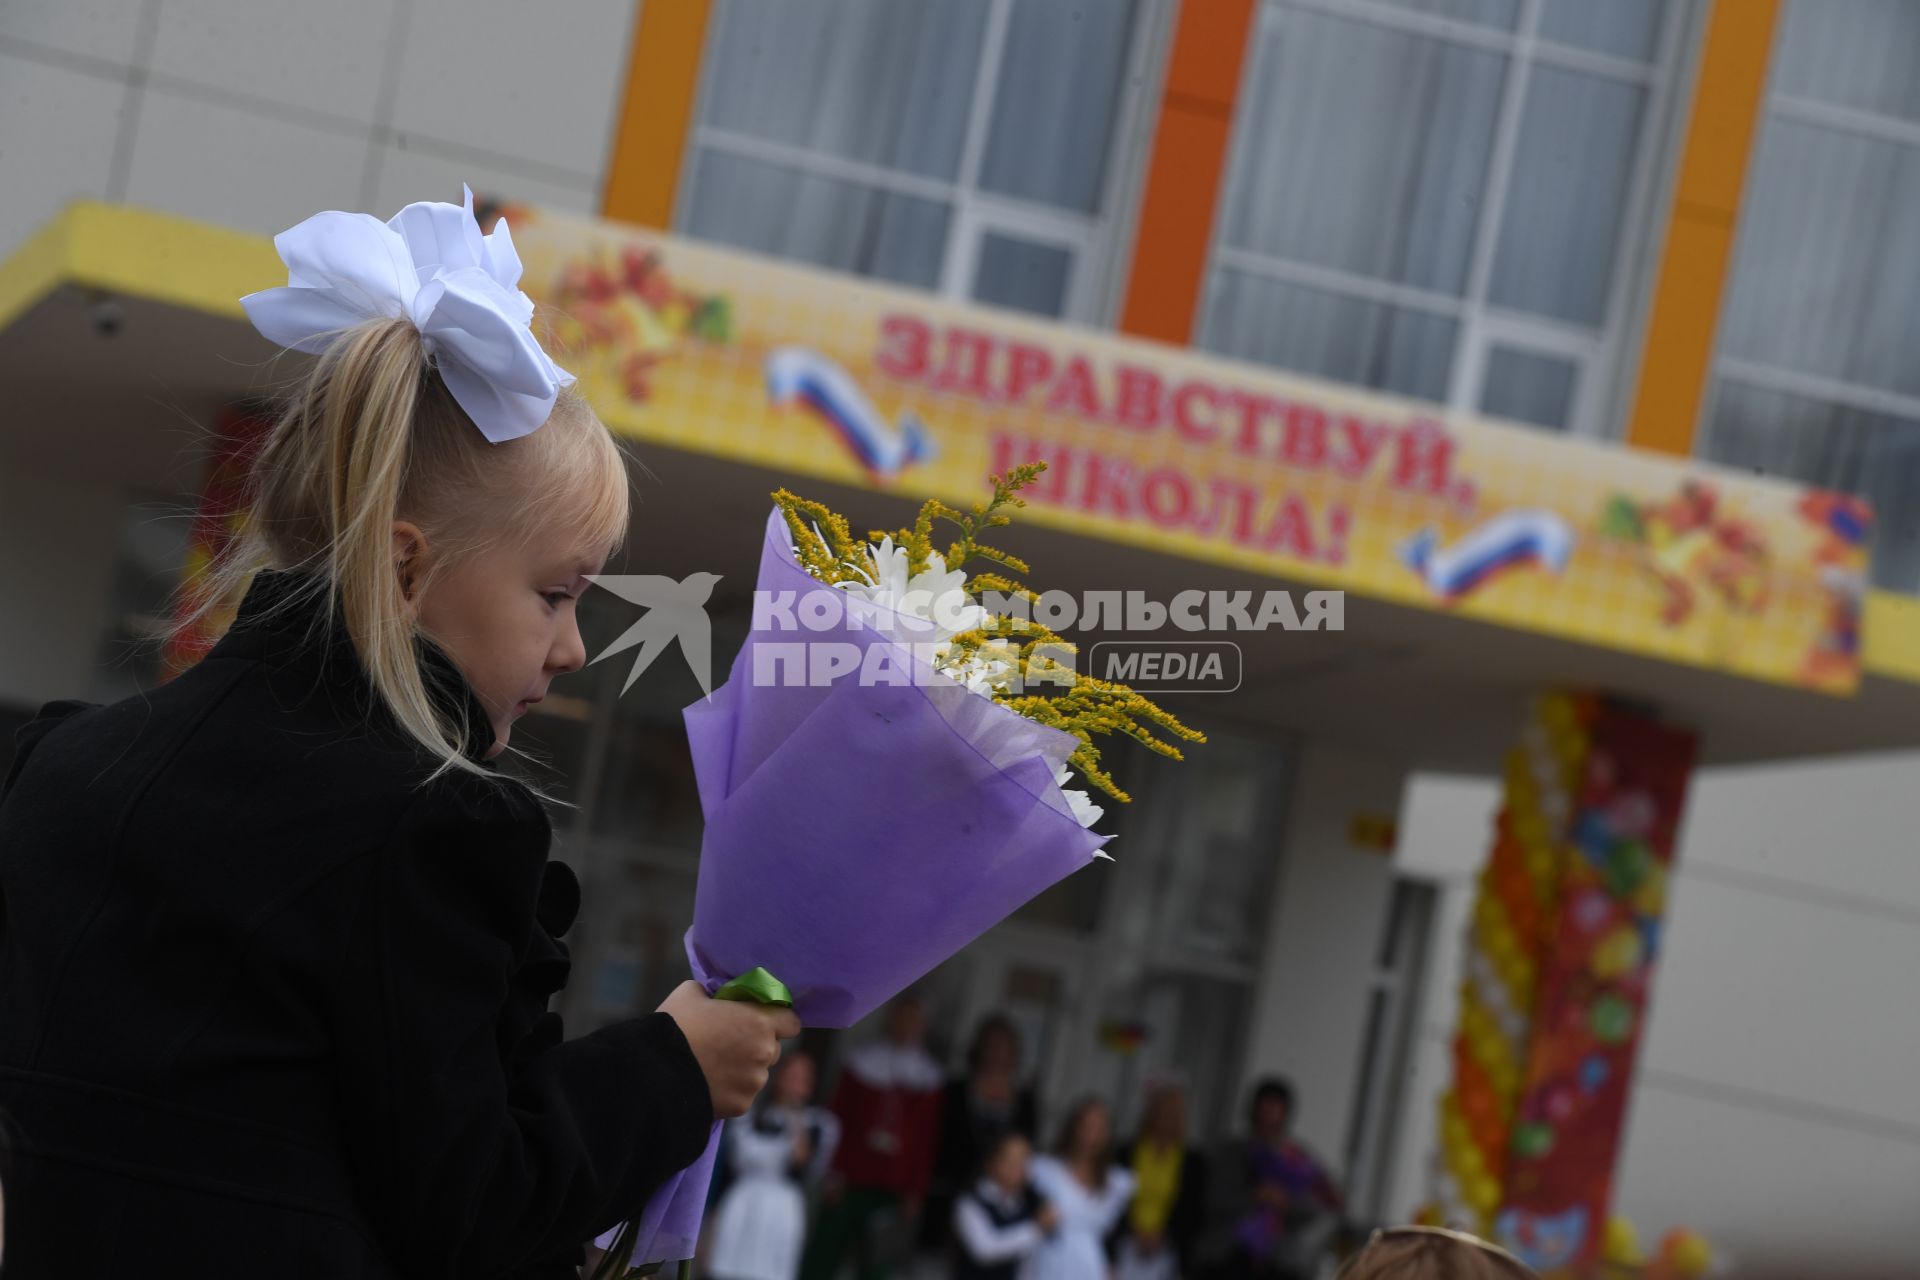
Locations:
1271 1204
888 1105
1169 1195
1088 1190
976 1110
776 1151
1002 1219
1433 1253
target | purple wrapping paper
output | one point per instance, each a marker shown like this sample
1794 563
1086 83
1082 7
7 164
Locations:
858 833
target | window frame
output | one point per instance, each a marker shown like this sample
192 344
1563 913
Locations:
1796 382
1091 240
1599 355
1724 369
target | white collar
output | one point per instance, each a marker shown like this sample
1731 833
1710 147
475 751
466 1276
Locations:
993 1193
891 1066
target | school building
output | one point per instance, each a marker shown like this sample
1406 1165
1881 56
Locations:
1575 342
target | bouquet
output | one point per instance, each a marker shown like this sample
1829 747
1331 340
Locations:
884 778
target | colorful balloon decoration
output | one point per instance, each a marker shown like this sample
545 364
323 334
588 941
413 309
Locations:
1684 1255
1559 959
1518 897
1620 1246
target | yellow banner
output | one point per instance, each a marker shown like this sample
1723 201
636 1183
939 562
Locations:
815 373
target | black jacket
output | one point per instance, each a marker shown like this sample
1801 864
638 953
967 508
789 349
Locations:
956 1160
270 1007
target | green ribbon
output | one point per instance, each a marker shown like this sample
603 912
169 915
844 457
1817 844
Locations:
755 986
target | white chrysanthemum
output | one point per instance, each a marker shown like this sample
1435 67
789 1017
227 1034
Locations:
1085 811
938 595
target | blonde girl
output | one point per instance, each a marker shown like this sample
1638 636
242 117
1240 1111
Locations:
1433 1253
277 939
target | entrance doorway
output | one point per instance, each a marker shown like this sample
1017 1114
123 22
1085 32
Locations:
1139 971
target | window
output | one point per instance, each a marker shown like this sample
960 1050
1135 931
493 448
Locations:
1187 917
964 146
1436 197
1818 373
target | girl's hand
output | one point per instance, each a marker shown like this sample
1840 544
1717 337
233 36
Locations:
736 1043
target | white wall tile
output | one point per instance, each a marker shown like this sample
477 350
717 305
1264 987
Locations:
1779 1194
106 29
409 175
536 81
43 168
1446 826
1836 826
1787 997
325 57
239 168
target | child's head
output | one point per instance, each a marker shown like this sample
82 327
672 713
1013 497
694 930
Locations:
1165 1118
996 1047
906 1022
1433 1253
1005 1161
1088 1132
1272 1111
432 466
794 1078
375 476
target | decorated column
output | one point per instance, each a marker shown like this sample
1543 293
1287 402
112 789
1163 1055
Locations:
1517 894
1559 965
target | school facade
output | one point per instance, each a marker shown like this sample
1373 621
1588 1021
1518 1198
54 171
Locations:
1275 288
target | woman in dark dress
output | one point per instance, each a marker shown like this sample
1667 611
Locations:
975 1110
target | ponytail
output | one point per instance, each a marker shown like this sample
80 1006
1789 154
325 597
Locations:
372 435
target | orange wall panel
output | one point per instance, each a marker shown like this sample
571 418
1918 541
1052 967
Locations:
1209 46
650 139
1176 223
1186 169
1723 118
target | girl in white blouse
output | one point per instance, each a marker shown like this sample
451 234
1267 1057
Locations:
1087 1190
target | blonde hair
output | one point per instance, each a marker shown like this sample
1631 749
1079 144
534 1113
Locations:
1433 1253
372 435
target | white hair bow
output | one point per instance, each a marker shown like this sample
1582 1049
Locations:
428 264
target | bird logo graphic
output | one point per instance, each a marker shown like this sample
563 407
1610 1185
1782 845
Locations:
675 611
